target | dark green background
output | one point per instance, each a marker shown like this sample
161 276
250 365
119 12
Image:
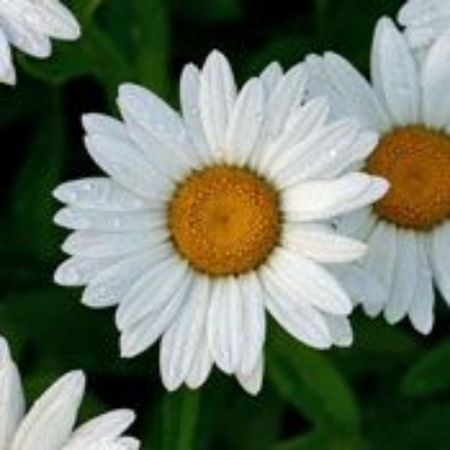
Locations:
391 390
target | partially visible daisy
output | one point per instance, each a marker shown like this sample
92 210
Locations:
408 231
50 422
28 25
210 217
424 21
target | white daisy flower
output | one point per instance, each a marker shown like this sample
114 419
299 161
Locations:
210 217
50 422
424 21
28 25
408 231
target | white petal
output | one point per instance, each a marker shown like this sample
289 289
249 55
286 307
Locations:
110 286
124 162
7 70
185 336
12 402
110 221
362 285
190 106
271 76
245 123
435 80
102 124
322 244
358 224
50 422
295 316
107 427
156 128
440 257
252 382
152 292
225 324
201 366
404 277
143 334
98 194
394 73
309 282
324 199
217 97
78 270
421 312
20 33
380 260
53 18
97 244
254 321
340 330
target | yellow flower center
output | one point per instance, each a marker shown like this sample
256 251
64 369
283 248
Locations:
416 161
224 220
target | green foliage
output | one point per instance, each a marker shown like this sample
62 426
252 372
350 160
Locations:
391 390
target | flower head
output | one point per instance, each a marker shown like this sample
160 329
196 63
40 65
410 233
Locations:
49 423
408 231
211 217
29 25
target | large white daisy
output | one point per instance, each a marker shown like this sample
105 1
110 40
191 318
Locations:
28 25
50 422
408 231
424 21
211 217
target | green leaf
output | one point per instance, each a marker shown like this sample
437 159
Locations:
431 374
179 417
309 381
200 10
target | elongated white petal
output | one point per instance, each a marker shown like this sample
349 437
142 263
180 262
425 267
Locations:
253 322
7 71
12 403
253 381
84 219
183 339
201 366
440 257
101 194
225 324
78 270
102 124
245 123
110 286
143 333
340 330
395 74
404 278
324 199
348 91
97 244
50 422
271 76
107 427
152 291
323 244
309 281
125 163
380 261
217 97
190 106
435 79
297 317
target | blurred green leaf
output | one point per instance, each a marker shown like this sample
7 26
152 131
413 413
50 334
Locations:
178 421
309 381
431 374
200 10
